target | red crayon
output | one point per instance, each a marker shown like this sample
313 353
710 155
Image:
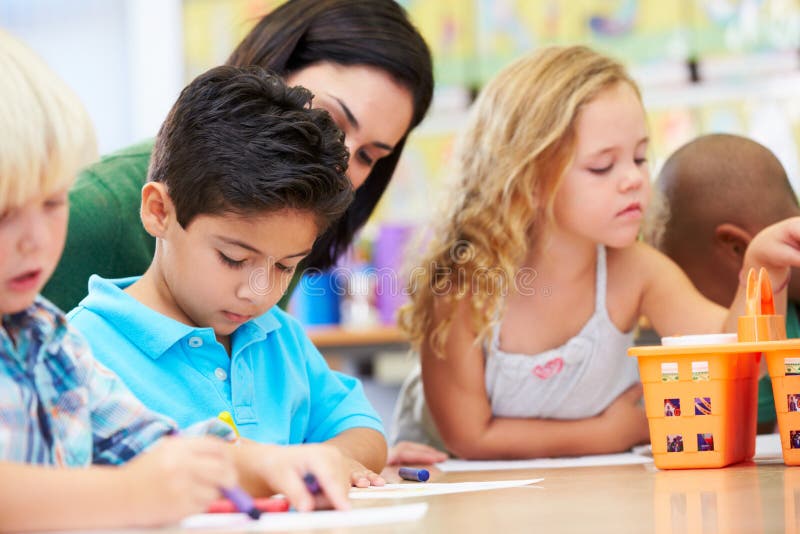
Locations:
225 506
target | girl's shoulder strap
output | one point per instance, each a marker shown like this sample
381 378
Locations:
600 281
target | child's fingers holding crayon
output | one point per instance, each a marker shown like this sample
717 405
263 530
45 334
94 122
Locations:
284 469
177 477
329 471
212 463
201 466
308 491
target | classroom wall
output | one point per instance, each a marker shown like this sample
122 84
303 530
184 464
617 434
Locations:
746 50
124 58
128 59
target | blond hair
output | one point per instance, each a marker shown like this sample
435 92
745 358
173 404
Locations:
47 134
519 140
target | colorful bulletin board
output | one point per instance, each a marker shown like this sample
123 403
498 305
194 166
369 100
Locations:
471 40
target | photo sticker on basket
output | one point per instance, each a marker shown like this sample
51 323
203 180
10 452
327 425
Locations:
669 372
705 442
700 371
702 405
794 439
793 400
791 366
672 407
674 443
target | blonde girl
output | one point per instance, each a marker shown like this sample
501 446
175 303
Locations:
524 307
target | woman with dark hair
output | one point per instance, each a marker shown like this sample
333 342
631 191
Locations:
366 65
312 43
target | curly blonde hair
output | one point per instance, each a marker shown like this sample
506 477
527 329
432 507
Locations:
519 140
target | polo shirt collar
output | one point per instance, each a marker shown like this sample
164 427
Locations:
152 332
149 330
253 331
266 322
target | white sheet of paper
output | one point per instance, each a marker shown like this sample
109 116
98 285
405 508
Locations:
307 521
627 458
426 489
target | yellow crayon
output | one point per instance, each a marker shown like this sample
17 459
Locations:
226 417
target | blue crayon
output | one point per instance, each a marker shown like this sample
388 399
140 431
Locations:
312 485
417 475
242 501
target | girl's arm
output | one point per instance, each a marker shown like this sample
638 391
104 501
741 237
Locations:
675 307
668 298
457 399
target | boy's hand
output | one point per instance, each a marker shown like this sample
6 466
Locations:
282 468
361 477
409 452
625 419
176 478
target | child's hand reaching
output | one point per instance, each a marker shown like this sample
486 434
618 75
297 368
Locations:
409 452
625 420
776 248
178 477
282 469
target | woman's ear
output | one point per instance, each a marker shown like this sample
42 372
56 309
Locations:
732 240
157 211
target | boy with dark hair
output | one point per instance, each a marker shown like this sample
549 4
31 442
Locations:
244 177
77 449
721 190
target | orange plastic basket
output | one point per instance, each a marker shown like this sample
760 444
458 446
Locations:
701 399
783 362
701 403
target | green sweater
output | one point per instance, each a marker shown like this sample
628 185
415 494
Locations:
105 234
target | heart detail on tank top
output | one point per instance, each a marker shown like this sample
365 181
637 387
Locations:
553 367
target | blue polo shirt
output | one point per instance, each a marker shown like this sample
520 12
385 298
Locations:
276 384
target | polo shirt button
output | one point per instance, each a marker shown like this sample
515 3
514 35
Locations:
220 373
195 342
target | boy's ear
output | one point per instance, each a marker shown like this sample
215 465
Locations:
732 240
157 211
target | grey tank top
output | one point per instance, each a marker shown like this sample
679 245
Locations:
576 380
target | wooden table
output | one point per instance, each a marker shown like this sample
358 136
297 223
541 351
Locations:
751 498
754 498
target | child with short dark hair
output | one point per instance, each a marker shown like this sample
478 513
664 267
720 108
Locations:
65 418
710 216
244 177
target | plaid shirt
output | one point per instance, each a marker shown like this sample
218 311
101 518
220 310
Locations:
59 406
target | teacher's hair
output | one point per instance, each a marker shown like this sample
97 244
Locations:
376 33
